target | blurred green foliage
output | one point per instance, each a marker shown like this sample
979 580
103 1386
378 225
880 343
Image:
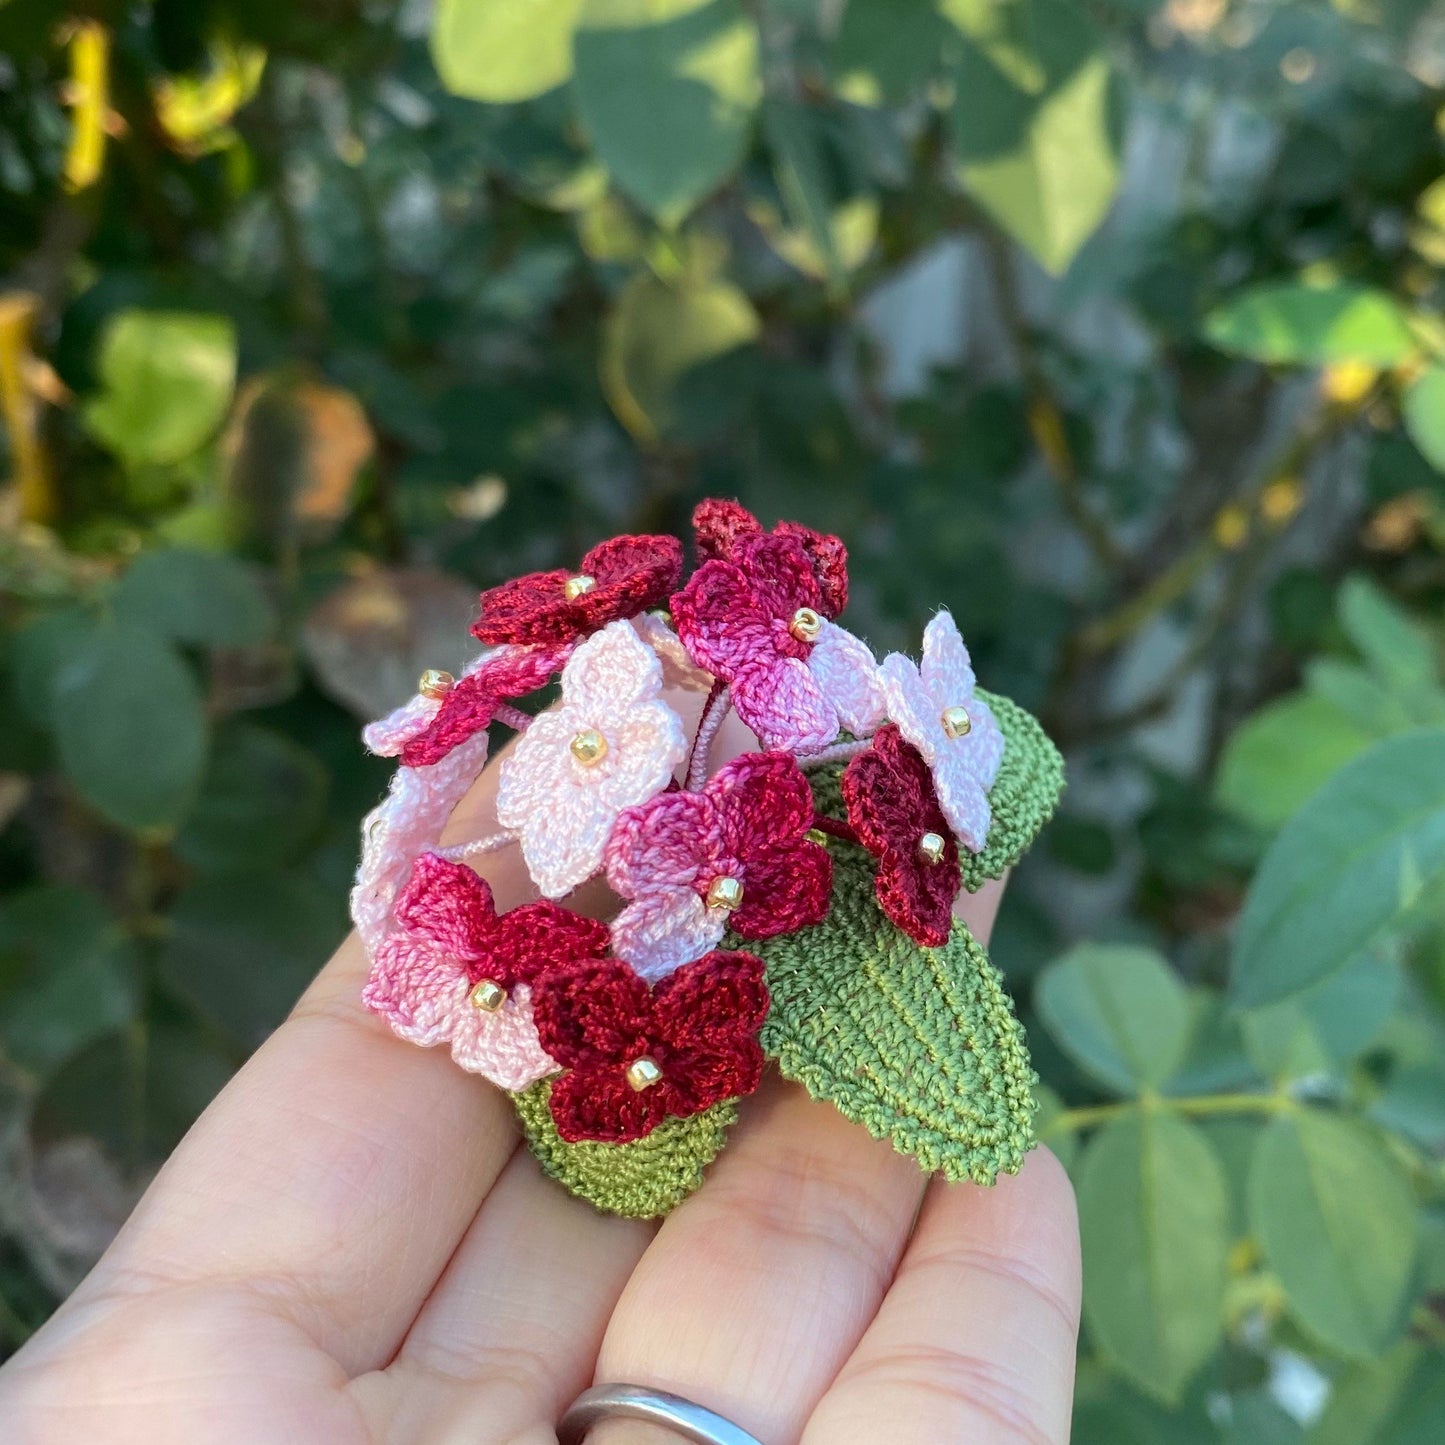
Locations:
1113 326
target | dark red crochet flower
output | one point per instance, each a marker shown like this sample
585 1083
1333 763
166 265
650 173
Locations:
718 525
469 706
895 812
618 578
635 1056
451 906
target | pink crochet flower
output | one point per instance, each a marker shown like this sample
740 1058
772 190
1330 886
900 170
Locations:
611 742
468 708
719 524
429 981
935 709
757 622
734 855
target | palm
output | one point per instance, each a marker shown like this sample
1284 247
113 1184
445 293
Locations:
350 1245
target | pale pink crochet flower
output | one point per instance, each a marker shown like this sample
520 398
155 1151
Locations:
609 743
748 826
450 941
964 757
756 621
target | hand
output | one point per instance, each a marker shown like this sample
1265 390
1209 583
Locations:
350 1245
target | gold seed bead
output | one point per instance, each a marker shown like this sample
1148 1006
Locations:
589 747
435 683
643 1073
578 586
816 835
806 625
725 893
956 721
930 847
488 995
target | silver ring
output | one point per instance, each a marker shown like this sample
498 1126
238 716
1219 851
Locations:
656 1407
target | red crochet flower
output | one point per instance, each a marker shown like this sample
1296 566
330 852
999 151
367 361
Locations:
469 706
718 525
635 1056
895 812
451 906
618 578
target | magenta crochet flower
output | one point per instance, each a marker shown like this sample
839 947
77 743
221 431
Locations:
719 524
758 623
934 705
733 856
458 972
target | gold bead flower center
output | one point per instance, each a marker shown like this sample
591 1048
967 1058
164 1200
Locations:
806 625
487 995
725 893
643 1073
589 747
435 683
956 721
578 586
930 847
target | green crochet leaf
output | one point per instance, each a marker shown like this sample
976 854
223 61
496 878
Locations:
641 1180
1022 799
918 1045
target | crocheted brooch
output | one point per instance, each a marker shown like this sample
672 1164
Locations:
796 904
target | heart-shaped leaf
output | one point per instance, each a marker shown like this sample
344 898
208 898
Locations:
641 1180
919 1045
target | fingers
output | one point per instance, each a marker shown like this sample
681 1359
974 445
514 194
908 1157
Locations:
509 1336
757 1287
975 1340
338 1169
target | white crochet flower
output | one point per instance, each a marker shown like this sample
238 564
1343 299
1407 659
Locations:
964 764
611 742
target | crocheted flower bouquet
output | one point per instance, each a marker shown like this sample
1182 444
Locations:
795 905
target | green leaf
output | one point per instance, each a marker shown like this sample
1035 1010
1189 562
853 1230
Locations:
202 597
503 50
919 1045
39 651
666 90
1413 1104
1361 1399
243 946
1398 649
1031 122
640 1180
1024 795
886 50
1119 1012
1328 1024
261 800
1424 412
1153 1212
800 165
1289 322
657 333
1336 1221
1351 861
66 975
166 383
1282 754
129 726
137 1092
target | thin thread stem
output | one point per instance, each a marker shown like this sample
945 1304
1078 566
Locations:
460 852
834 827
513 717
1200 1106
714 710
838 753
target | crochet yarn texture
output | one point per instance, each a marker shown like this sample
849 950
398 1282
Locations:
641 1180
794 904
